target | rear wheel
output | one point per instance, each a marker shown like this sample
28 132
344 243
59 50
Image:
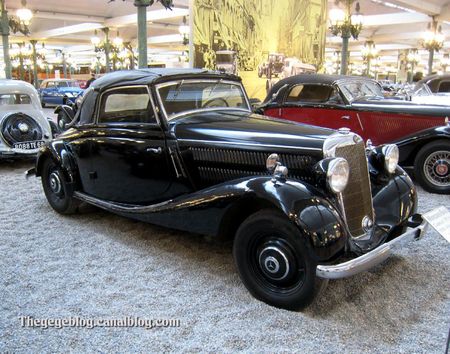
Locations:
274 260
58 191
432 167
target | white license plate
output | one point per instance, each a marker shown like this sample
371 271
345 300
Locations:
29 145
439 219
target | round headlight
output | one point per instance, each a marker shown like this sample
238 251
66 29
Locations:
391 156
337 174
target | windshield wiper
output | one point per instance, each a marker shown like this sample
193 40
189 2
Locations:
177 89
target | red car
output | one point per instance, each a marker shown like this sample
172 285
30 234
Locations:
421 132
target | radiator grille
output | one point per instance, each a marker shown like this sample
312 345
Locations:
357 196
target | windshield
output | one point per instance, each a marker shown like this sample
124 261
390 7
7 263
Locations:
183 96
354 90
67 84
224 58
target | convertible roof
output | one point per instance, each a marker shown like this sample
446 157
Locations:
154 75
433 81
311 79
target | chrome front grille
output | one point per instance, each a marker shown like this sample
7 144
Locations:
357 196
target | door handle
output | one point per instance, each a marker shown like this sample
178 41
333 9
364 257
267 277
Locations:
345 117
155 151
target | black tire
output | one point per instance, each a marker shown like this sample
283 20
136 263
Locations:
42 104
432 167
59 193
275 261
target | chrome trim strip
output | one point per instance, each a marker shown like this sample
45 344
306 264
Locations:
247 144
359 120
372 258
118 207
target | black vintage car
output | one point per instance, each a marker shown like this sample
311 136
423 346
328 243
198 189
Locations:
182 149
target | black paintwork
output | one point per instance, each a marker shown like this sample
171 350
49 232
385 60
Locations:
153 173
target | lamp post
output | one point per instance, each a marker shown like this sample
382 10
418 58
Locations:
445 62
433 41
184 30
346 24
105 46
369 52
17 23
412 58
336 60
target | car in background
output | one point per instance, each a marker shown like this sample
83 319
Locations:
273 66
183 149
438 83
24 128
59 91
294 66
435 91
420 131
227 61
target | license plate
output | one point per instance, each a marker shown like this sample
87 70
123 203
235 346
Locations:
29 145
439 219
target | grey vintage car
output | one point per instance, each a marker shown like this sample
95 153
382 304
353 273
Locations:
24 128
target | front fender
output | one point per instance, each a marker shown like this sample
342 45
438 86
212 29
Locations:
410 145
395 200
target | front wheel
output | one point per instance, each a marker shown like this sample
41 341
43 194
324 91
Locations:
274 260
58 191
432 167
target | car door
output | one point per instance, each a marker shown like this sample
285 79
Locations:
317 104
50 93
125 149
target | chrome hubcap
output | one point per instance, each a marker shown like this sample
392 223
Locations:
274 263
437 168
55 183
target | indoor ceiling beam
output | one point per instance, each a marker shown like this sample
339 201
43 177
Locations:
155 15
394 19
63 16
168 38
425 7
67 30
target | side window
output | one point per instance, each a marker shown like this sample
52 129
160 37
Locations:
50 84
444 86
309 93
126 105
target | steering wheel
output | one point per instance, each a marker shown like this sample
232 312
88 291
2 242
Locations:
216 102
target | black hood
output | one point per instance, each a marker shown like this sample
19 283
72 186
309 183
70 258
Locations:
245 130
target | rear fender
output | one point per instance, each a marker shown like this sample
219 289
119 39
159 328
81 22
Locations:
59 153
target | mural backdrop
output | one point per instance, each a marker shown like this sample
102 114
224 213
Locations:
260 40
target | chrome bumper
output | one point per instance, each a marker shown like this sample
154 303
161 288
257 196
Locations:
372 258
